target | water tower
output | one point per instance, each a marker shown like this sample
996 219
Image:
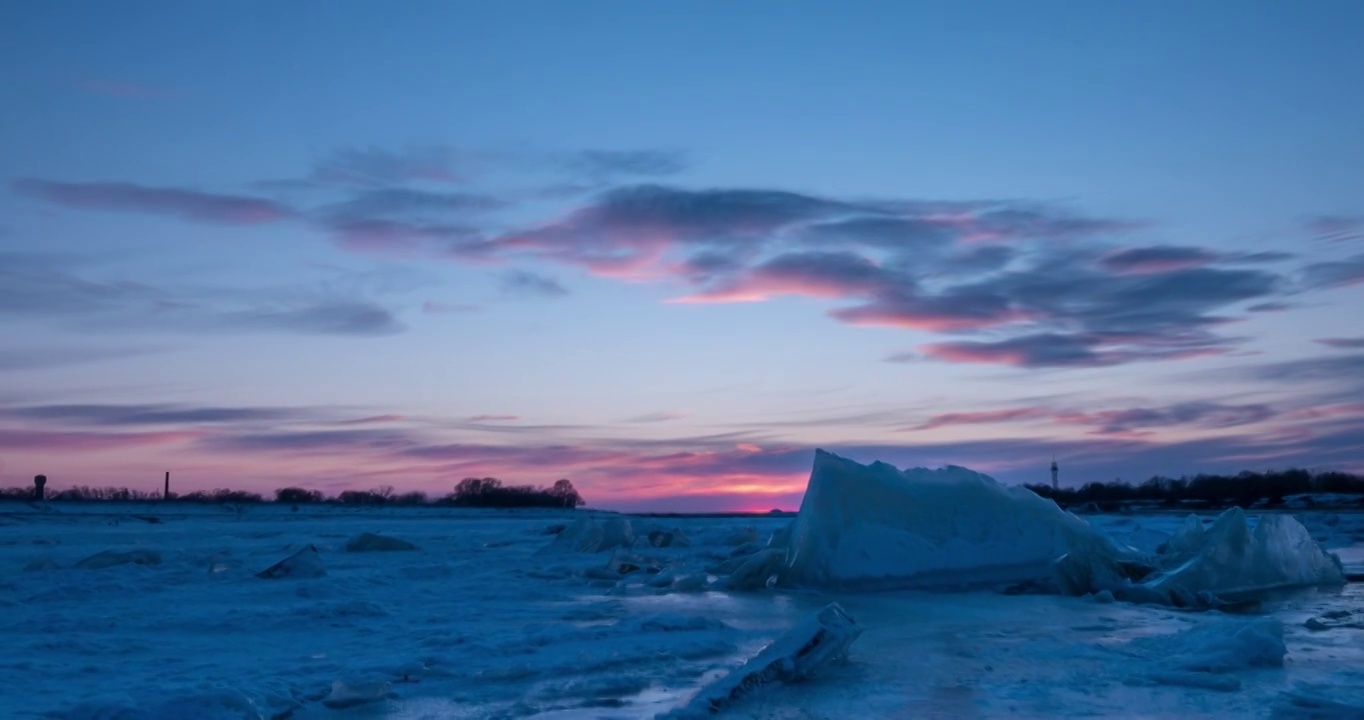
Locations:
1055 471
38 482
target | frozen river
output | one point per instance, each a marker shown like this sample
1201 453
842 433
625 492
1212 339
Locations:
476 624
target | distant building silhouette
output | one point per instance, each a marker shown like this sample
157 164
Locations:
38 482
1055 471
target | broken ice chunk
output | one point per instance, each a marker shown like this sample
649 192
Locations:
305 563
799 653
371 542
868 526
587 535
1230 561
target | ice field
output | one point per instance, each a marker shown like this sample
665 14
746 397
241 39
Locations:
495 616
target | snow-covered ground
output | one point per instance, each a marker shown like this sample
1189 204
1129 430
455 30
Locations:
480 621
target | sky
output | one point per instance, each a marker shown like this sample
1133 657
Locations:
668 249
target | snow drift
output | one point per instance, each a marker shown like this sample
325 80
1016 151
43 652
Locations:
876 526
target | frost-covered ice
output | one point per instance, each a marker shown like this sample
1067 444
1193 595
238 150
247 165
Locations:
1230 560
480 621
876 526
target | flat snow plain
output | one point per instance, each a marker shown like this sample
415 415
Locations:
477 624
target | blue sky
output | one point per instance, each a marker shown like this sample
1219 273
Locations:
666 249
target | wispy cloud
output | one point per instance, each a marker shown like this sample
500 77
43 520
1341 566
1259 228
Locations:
1114 421
1158 258
36 358
21 439
369 166
523 283
657 417
1080 350
1335 228
1330 368
1334 273
606 165
370 420
1356 343
406 202
49 286
117 415
176 202
320 317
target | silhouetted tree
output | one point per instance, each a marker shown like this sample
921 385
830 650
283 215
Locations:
564 490
490 492
297 495
410 498
1209 491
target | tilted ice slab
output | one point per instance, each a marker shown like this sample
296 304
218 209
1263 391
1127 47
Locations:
1231 561
798 654
876 526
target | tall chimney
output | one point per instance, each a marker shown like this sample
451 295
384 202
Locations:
166 494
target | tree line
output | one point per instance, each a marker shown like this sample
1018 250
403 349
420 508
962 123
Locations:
1244 489
470 492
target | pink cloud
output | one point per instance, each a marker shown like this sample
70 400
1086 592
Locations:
985 417
761 289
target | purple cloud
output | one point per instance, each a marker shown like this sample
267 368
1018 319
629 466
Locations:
1158 258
